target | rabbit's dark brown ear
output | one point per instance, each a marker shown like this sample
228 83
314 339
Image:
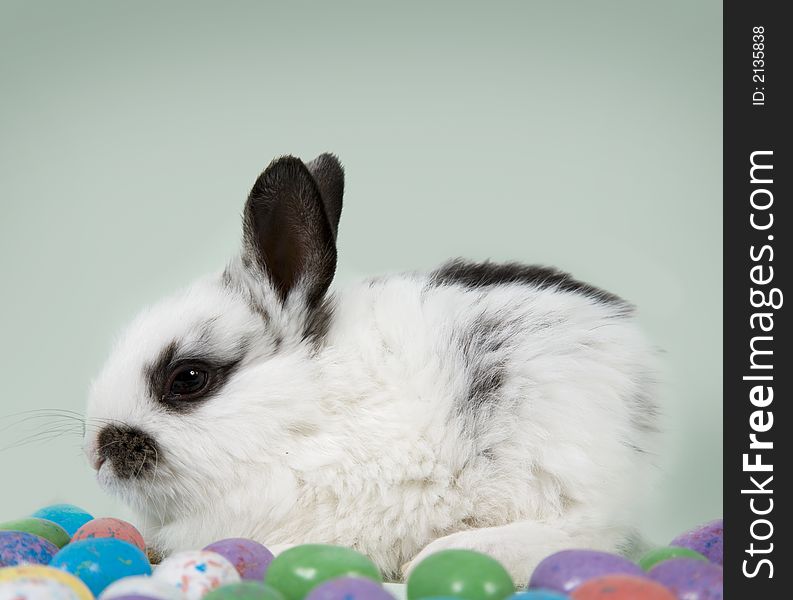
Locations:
329 175
287 232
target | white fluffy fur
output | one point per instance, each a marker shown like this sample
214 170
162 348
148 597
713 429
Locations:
357 443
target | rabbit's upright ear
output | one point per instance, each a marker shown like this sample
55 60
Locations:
290 223
329 175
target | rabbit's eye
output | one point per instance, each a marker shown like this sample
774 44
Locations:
187 382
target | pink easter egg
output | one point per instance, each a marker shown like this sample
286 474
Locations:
108 527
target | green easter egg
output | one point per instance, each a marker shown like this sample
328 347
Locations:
297 570
460 574
40 527
245 590
659 555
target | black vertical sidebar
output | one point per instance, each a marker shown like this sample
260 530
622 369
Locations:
758 432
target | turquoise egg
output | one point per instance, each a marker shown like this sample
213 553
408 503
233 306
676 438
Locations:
98 562
68 516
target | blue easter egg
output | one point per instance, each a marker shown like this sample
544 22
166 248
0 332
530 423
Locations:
538 595
98 562
68 516
21 548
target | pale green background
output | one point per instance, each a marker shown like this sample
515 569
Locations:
585 135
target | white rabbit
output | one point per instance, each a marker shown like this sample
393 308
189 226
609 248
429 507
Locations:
503 408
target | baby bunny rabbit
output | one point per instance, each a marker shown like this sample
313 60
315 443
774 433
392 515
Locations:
497 407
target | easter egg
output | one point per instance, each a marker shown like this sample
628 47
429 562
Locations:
40 527
297 570
42 589
20 548
691 579
397 590
565 570
621 587
707 539
196 572
349 588
245 590
36 574
107 527
98 562
250 558
538 595
135 597
68 516
659 555
140 586
460 574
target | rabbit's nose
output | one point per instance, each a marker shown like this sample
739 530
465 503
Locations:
130 452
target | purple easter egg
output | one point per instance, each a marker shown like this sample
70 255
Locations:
135 597
20 548
349 588
707 539
250 558
690 578
566 570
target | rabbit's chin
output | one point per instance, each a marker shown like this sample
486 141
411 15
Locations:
145 494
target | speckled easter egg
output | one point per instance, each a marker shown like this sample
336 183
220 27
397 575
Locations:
349 588
566 570
68 516
108 527
196 572
40 527
135 597
461 574
98 562
39 576
140 585
245 590
690 578
397 590
250 558
20 548
707 539
621 587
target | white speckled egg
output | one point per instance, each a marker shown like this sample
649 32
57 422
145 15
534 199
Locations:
196 572
141 585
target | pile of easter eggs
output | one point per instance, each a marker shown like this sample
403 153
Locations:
61 552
